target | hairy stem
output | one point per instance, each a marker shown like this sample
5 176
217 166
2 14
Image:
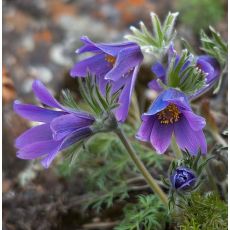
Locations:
152 183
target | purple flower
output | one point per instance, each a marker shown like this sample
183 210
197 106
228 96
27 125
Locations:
171 114
117 64
183 179
207 64
60 128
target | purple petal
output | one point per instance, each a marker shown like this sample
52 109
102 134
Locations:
116 85
161 102
121 112
161 136
46 98
38 149
44 95
35 113
127 59
51 147
213 62
109 48
88 47
95 65
176 97
206 68
196 122
159 70
202 140
155 85
212 76
187 138
144 131
64 125
68 141
171 52
36 134
158 105
169 96
160 73
76 136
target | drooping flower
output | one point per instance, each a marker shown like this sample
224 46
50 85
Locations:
60 128
170 114
205 63
183 179
115 63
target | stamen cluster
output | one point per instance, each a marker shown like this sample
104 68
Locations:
111 59
168 115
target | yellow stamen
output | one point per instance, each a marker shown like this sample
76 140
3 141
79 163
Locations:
111 59
169 115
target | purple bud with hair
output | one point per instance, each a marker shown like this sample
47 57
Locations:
183 179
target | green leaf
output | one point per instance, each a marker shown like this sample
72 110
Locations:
158 41
98 103
157 28
169 24
215 46
68 100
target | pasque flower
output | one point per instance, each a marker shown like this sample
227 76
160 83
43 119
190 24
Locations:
183 179
60 128
170 114
205 63
114 63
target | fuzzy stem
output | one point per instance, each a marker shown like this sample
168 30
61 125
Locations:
176 149
152 183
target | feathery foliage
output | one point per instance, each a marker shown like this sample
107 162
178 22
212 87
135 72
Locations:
148 213
95 102
204 212
107 167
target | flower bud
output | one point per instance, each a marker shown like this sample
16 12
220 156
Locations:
183 179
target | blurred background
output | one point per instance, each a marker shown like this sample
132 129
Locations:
39 42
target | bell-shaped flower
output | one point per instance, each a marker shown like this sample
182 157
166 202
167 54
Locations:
170 114
117 64
60 127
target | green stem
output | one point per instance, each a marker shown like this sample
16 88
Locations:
176 149
152 183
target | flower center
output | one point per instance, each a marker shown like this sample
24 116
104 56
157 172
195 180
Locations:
110 59
170 114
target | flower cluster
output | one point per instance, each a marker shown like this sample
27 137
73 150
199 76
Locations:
182 78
